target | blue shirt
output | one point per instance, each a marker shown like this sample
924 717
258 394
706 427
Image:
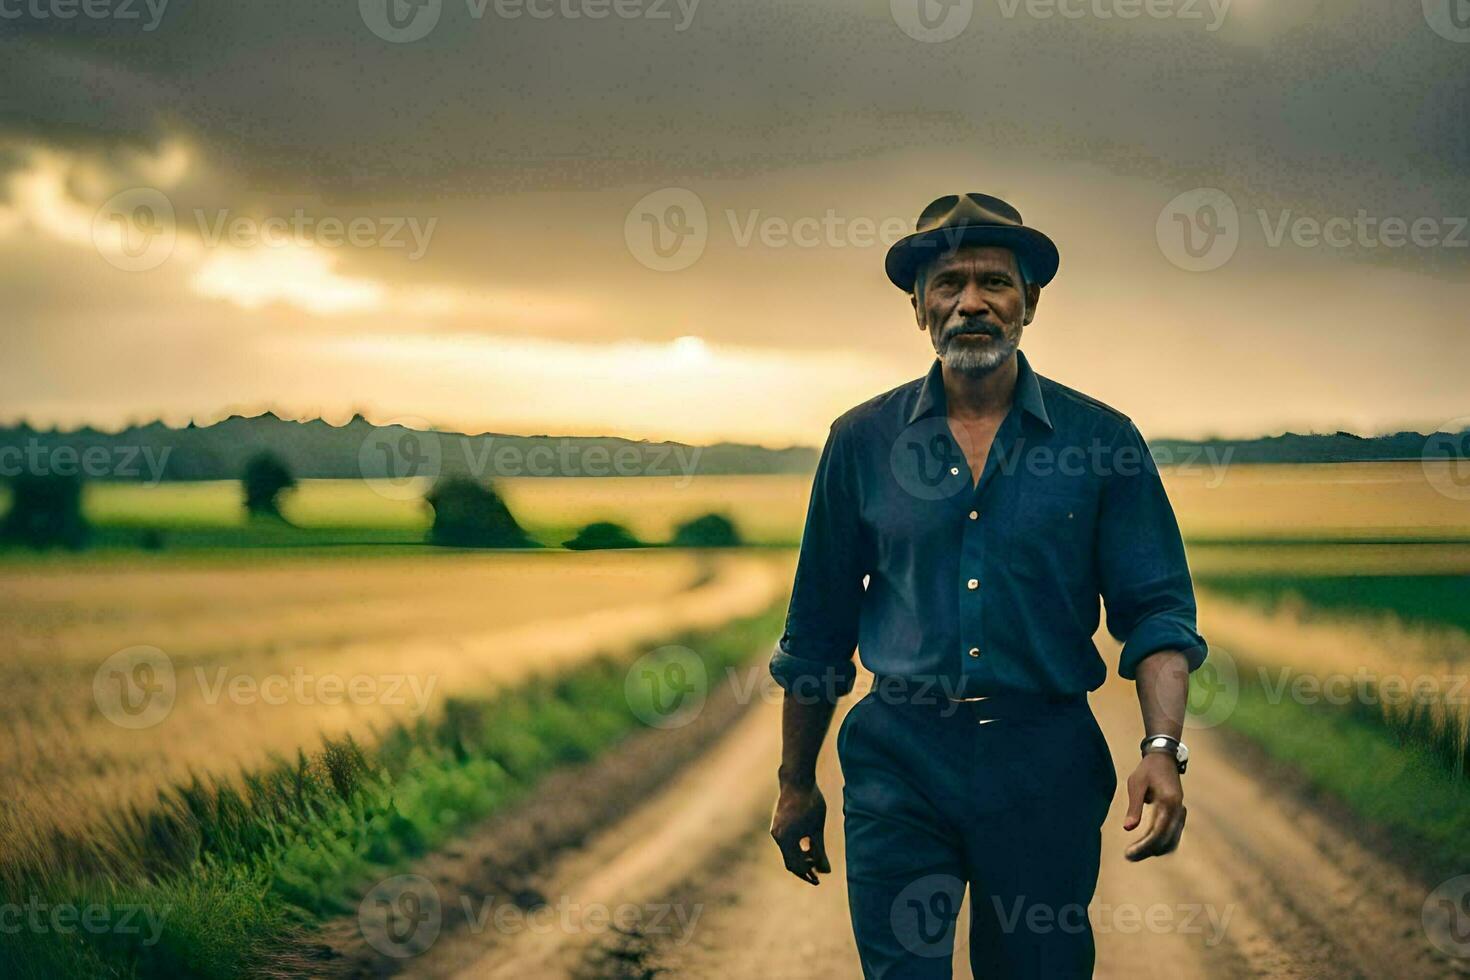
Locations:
988 588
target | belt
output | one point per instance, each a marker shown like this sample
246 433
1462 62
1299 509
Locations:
897 689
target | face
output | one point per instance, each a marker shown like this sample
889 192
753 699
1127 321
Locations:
973 306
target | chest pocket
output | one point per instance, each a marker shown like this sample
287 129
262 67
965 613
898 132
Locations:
1051 536
1049 514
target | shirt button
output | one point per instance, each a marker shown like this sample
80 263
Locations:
974 514
973 584
974 651
954 471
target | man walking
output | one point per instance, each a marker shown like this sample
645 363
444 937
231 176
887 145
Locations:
961 530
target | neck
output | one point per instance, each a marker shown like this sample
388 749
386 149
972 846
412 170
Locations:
989 394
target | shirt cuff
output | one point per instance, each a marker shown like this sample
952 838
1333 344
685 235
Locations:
1161 633
817 680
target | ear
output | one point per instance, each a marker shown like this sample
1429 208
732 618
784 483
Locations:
1033 297
918 313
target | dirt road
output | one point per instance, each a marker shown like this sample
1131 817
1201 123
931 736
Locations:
1262 886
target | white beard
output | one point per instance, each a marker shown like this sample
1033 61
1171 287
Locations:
972 361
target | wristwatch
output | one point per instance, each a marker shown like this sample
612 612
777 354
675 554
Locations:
1169 744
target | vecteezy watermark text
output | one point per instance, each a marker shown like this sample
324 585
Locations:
403 21
139 229
398 456
324 231
137 688
402 916
937 21
37 916
121 10
35 458
1200 230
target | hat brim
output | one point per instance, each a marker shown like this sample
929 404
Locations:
908 253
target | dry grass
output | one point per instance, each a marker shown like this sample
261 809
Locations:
1309 500
447 624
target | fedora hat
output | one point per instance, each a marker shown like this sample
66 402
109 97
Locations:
970 219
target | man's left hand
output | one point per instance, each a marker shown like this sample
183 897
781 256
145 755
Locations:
1156 782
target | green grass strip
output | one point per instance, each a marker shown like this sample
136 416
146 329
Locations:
1391 782
1441 600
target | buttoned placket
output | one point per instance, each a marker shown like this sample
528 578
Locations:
972 584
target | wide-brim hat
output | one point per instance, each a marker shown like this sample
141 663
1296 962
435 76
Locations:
970 219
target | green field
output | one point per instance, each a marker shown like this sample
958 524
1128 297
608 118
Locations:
1442 600
356 516
1235 519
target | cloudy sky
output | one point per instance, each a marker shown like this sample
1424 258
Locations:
667 219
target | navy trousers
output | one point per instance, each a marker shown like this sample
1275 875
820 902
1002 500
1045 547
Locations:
938 798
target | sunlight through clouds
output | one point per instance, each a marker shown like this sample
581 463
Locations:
302 276
684 389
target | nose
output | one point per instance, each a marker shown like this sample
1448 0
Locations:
972 301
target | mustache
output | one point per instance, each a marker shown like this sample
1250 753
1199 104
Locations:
972 326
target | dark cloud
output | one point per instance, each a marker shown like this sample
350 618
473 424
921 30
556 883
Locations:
1320 104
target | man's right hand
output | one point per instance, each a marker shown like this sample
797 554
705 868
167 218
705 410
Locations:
801 816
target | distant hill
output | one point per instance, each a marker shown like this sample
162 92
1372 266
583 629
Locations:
318 450
1339 447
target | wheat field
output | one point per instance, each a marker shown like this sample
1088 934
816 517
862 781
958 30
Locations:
263 658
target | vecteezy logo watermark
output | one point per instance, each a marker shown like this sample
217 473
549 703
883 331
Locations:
667 687
134 229
1214 690
398 457
924 913
1446 917
39 917
400 21
1446 458
1200 230
401 916
932 21
403 21
120 10
667 229
135 688
35 458
1450 19
928 459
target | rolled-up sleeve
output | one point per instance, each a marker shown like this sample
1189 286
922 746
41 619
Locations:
1144 578
813 658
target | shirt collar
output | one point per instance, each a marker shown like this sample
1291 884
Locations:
1027 393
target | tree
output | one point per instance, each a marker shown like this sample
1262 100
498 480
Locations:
45 510
266 478
603 534
708 531
471 515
